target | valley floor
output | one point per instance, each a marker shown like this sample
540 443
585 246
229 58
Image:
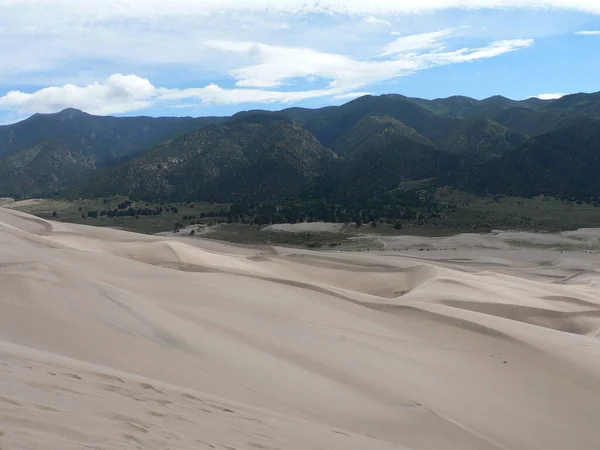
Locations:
111 339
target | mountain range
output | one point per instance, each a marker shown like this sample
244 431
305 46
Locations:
364 148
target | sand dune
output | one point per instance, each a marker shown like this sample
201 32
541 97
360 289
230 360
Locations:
110 339
8 202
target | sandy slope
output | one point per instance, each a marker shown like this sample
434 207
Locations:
110 339
11 203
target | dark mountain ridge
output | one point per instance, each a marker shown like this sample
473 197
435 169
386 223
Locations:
47 153
109 137
563 163
377 144
255 156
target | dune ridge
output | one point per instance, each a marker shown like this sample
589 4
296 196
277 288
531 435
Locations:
477 344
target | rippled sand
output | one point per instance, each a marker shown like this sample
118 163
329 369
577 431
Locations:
110 340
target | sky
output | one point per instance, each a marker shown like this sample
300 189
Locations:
217 57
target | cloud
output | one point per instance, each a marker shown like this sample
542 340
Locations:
550 96
217 95
350 95
118 94
372 20
126 93
424 41
265 80
277 65
101 10
468 55
588 33
53 42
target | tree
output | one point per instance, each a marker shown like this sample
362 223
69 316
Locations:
54 214
398 226
192 233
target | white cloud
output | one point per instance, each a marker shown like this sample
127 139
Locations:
424 41
100 10
372 20
350 95
278 65
118 94
550 96
126 93
467 55
588 33
53 42
216 95
270 67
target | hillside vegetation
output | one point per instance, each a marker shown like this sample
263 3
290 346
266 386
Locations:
373 159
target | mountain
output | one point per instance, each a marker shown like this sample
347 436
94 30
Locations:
480 138
561 163
376 142
380 154
432 118
107 137
371 130
44 169
457 124
552 115
50 152
527 122
330 124
587 105
465 107
256 156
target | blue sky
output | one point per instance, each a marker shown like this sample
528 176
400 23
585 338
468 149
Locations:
216 57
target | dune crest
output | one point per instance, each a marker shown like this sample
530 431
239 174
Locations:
473 345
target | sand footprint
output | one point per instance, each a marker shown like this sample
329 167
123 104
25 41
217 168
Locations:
108 377
46 408
222 408
262 446
149 387
72 375
129 422
9 401
53 388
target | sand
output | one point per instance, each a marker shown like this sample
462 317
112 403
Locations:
110 339
11 203
306 227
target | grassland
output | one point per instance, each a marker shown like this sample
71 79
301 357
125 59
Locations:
465 213
77 212
515 213
251 234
